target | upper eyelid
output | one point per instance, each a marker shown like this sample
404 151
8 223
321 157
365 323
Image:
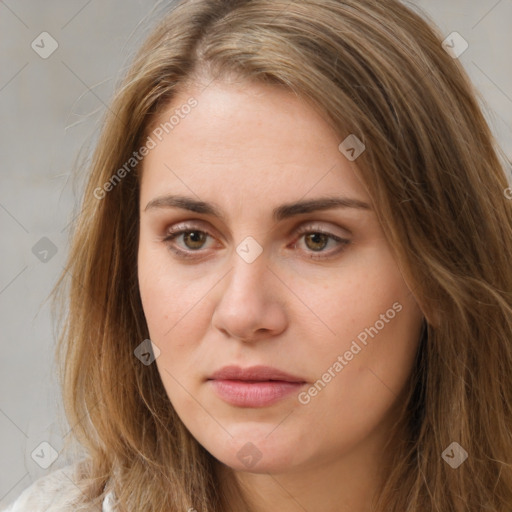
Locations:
200 225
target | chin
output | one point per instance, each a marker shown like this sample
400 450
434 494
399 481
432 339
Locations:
258 453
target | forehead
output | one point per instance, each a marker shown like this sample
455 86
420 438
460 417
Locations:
246 140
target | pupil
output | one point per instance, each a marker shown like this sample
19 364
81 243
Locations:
194 235
317 238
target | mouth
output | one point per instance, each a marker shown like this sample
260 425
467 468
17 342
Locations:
255 374
257 386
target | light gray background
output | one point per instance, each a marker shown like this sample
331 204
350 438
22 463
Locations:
49 108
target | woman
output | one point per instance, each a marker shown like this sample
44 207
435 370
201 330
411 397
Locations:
289 285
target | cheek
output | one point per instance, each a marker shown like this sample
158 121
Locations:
390 332
367 386
363 366
168 296
173 326
368 299
177 313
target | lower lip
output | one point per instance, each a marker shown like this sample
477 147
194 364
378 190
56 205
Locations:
254 394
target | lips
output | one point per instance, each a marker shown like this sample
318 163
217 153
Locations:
254 374
257 386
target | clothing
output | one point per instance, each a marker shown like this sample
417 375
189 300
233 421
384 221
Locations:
56 492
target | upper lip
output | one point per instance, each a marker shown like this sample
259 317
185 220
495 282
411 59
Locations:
254 373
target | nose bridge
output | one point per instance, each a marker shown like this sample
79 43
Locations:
248 271
247 303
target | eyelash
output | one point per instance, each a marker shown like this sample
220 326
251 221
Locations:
302 231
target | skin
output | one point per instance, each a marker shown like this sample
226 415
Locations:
249 148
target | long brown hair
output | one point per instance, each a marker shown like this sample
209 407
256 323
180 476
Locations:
376 69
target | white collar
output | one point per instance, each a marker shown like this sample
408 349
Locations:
108 503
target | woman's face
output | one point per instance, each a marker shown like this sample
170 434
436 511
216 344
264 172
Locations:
260 272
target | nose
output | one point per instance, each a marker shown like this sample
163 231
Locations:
251 303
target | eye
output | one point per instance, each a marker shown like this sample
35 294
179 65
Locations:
194 240
315 240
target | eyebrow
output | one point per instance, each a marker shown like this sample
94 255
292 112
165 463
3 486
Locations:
281 212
